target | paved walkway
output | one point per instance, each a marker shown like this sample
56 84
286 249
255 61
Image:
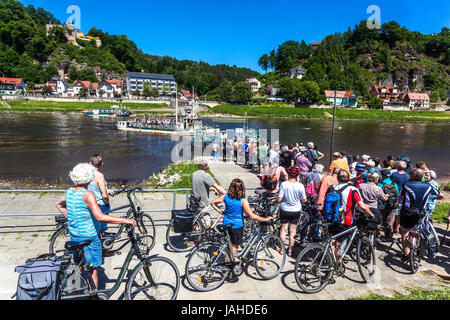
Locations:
25 237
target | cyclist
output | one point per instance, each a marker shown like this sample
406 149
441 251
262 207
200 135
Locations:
372 194
415 196
235 205
80 208
99 187
351 198
291 195
202 184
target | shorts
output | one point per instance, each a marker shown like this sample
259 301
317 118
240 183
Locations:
289 217
397 211
92 252
104 208
236 235
337 228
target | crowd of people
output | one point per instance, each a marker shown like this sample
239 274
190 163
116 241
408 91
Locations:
152 123
293 175
379 189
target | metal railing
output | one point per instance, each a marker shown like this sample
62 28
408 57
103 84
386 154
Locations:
173 191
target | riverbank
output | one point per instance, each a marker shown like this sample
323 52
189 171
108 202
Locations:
174 176
225 110
77 106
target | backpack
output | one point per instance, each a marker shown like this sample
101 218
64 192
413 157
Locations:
269 181
311 190
393 201
332 206
39 279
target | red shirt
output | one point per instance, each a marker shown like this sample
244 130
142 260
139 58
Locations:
350 197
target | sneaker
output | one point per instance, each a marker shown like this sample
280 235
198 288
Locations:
232 278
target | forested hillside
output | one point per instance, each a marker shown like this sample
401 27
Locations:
26 51
361 57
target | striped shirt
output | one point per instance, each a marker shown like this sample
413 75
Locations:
96 190
81 221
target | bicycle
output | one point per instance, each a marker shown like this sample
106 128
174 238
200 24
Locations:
186 241
311 227
155 278
210 263
318 261
144 224
415 242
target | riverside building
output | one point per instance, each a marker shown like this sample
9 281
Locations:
165 83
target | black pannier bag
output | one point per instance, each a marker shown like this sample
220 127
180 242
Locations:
39 279
183 220
410 217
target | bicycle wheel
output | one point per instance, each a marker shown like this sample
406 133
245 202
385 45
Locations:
365 258
270 256
313 232
183 242
206 268
164 283
314 268
145 233
414 260
58 240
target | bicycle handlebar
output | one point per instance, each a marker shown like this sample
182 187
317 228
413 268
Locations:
128 190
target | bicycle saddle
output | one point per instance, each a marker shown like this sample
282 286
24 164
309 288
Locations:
224 228
72 245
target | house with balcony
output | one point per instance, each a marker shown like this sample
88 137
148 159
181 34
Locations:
343 98
165 83
254 83
12 86
414 99
57 86
387 94
109 89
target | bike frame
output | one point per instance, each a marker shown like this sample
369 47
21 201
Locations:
353 230
110 292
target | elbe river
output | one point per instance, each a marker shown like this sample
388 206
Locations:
49 145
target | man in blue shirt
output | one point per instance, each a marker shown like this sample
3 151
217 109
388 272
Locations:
400 177
415 197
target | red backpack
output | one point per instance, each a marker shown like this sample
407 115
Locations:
269 181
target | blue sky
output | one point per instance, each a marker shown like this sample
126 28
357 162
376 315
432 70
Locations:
238 32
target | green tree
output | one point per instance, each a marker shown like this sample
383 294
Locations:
264 62
242 93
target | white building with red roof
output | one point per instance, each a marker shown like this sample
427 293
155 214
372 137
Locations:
254 83
387 94
109 89
413 99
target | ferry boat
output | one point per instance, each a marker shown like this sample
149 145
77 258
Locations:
184 125
114 111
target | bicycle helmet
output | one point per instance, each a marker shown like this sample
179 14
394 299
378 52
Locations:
294 170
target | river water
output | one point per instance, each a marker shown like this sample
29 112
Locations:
49 145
